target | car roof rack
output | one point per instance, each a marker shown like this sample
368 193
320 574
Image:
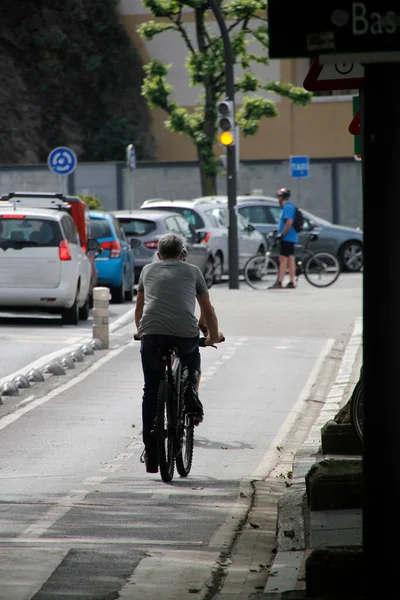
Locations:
39 199
150 200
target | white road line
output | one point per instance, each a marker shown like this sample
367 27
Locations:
270 458
11 418
54 514
94 480
27 400
97 541
85 339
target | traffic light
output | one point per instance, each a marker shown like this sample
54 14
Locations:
226 123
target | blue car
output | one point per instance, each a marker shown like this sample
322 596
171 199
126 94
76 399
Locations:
115 263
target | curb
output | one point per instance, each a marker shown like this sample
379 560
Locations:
289 563
57 363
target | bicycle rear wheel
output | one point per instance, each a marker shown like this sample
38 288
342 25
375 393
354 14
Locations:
184 456
357 409
322 269
260 272
165 430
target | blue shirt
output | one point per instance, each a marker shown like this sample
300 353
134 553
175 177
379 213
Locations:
288 212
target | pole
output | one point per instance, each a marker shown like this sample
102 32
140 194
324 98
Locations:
233 253
380 122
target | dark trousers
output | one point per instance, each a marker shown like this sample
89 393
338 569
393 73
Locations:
153 371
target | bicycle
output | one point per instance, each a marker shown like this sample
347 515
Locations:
357 406
321 268
174 427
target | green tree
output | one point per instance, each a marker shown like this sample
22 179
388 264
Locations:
93 202
205 64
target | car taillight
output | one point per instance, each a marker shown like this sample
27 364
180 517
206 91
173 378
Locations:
63 250
151 245
207 237
113 247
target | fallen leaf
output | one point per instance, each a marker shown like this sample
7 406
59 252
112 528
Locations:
254 525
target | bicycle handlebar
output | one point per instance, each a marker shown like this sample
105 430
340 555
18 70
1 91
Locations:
202 341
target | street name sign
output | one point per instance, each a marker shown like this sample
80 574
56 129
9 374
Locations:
340 76
334 27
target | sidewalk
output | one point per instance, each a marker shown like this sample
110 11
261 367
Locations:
300 530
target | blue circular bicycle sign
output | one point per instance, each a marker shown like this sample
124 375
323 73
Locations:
62 161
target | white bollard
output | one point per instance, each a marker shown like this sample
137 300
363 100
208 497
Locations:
101 301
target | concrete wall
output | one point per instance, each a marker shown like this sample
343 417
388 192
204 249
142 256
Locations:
332 191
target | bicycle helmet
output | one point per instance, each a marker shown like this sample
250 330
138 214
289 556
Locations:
283 193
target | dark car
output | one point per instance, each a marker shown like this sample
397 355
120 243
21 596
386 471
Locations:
148 226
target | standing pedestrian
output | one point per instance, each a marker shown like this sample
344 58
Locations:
287 237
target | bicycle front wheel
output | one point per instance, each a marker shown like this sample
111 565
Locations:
322 269
184 455
165 430
260 272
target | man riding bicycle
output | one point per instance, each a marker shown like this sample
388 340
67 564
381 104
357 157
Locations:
165 314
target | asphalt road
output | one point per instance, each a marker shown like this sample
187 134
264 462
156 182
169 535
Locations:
80 518
28 338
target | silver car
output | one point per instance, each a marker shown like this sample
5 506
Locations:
147 227
210 219
42 263
345 242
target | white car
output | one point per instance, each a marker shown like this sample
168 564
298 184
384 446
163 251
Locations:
42 263
211 219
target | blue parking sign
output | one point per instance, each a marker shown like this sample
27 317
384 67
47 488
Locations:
62 161
299 166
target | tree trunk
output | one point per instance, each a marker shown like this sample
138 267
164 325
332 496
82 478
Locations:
207 180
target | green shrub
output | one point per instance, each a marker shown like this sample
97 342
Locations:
93 202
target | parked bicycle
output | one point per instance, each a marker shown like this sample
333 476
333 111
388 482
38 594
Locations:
321 269
357 406
174 427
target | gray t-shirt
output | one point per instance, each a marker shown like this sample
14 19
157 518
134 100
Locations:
170 289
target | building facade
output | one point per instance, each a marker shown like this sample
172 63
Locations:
319 130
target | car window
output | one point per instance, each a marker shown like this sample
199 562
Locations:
276 213
185 228
101 228
28 231
172 226
241 224
192 217
137 227
257 214
218 217
119 230
70 230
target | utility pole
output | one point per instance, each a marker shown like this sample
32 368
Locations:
230 153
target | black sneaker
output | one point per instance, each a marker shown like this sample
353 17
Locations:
193 406
277 286
290 285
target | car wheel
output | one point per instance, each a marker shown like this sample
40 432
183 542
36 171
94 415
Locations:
129 294
218 268
209 272
84 310
70 316
352 256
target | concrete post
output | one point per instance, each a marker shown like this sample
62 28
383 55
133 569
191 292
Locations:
101 301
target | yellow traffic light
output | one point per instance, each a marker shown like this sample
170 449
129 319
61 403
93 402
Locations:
226 123
226 138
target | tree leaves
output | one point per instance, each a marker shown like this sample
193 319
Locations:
247 23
